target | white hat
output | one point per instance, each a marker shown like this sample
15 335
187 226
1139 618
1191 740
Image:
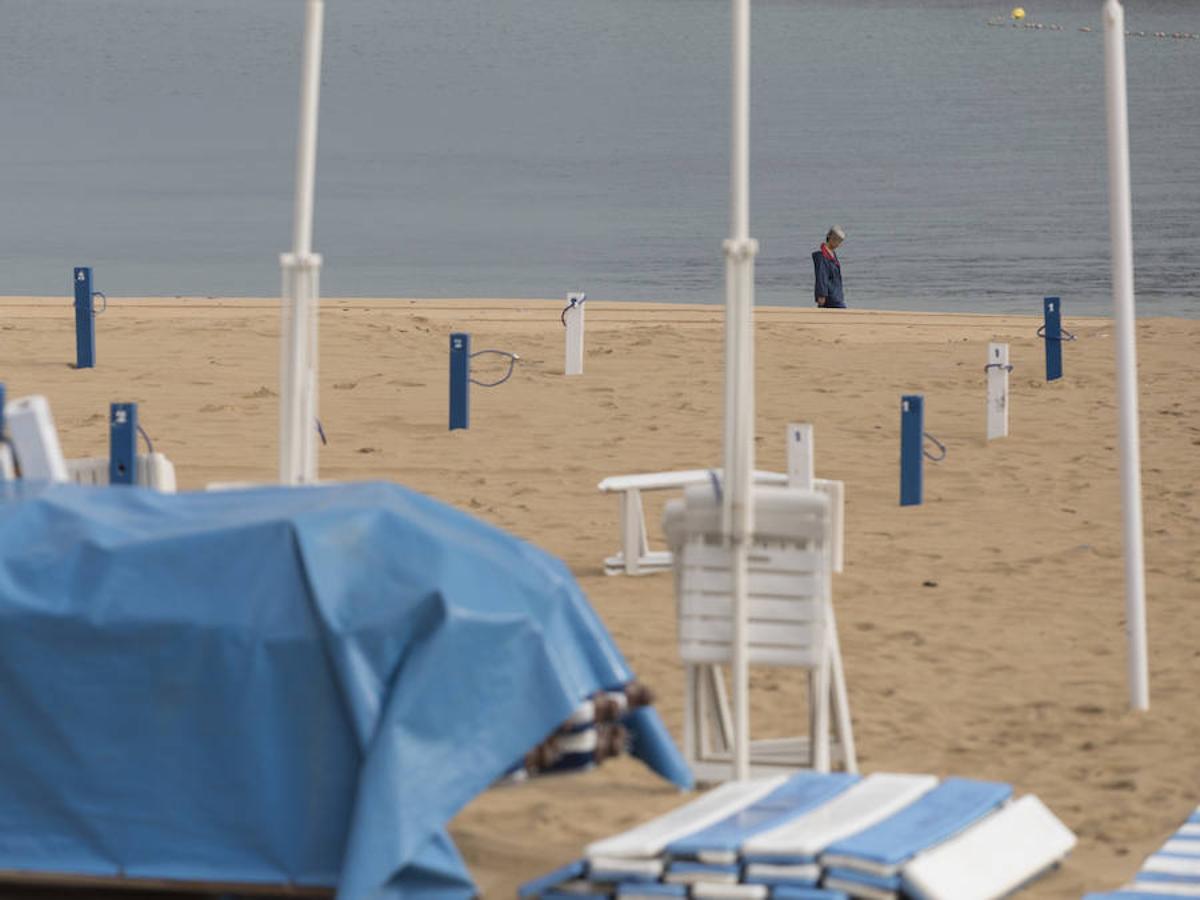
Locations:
838 232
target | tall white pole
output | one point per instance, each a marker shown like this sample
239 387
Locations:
300 270
738 510
1121 235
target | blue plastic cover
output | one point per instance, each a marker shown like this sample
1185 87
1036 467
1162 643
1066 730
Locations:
280 685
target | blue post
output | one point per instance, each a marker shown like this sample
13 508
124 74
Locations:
122 443
912 431
85 321
1053 329
1 409
460 380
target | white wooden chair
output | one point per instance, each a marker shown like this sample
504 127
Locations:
154 470
791 623
635 556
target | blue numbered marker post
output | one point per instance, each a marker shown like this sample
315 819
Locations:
912 430
85 320
122 443
1054 338
460 380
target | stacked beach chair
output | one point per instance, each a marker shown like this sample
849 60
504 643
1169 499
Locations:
1173 871
824 836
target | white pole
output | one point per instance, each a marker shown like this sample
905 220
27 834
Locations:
997 391
1121 235
300 268
800 468
573 317
738 510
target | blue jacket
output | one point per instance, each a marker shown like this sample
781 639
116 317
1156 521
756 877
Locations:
829 280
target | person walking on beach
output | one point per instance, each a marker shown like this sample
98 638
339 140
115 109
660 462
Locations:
828 287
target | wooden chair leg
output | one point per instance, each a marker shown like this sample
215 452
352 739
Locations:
821 695
633 529
841 709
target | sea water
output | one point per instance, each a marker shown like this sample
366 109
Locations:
528 148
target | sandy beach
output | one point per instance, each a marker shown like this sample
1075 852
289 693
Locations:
982 632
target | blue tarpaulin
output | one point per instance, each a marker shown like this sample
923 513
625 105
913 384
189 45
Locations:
279 685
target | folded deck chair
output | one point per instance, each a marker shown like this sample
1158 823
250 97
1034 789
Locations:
801 793
648 840
687 872
1172 871
992 858
789 852
869 863
759 892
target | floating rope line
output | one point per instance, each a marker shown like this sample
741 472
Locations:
1007 367
146 437
512 362
321 432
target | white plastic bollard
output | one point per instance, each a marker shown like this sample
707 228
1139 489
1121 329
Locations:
997 391
573 319
800 456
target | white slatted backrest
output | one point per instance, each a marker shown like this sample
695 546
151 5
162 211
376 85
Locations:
788 578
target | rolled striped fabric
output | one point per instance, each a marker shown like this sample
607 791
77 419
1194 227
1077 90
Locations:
593 733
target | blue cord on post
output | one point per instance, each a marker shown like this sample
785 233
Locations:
122 443
460 380
85 319
912 430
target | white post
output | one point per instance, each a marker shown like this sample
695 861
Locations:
738 512
997 391
1121 236
573 318
301 293
800 456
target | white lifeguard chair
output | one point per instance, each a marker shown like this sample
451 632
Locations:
791 623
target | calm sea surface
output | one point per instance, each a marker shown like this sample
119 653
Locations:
534 147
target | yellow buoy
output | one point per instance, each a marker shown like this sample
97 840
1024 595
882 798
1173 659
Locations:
1018 12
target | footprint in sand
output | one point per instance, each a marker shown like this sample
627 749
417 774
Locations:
345 385
262 393
216 407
